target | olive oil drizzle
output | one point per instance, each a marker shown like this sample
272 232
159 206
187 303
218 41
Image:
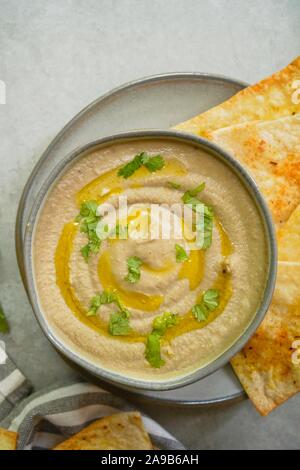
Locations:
109 184
129 299
62 266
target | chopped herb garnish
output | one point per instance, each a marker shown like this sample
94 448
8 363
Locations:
200 312
181 254
211 299
152 163
101 299
191 193
173 185
208 303
4 328
87 209
152 354
119 323
133 264
153 345
131 167
89 219
85 251
204 226
163 322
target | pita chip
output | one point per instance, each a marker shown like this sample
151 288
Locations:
269 365
120 431
270 151
274 97
8 439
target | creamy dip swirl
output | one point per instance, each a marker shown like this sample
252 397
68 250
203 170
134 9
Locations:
66 282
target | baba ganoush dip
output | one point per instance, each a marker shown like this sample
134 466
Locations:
138 301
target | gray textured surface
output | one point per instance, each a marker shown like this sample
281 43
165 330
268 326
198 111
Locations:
56 57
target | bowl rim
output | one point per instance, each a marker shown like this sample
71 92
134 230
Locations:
252 189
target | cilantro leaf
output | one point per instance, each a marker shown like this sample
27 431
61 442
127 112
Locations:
160 326
163 322
151 163
88 209
192 193
152 353
85 251
133 264
211 299
200 312
131 167
181 254
88 220
4 328
101 299
119 323
208 303
191 200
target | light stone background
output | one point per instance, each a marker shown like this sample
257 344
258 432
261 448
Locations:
55 57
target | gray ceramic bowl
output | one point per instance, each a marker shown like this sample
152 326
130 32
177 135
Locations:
251 188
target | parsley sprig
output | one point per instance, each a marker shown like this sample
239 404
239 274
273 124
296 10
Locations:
208 303
119 320
181 254
190 196
153 345
152 163
101 299
119 323
89 219
134 273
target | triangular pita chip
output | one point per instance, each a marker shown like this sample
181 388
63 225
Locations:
270 151
8 439
269 365
274 97
120 431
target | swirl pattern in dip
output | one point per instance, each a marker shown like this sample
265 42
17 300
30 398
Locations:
179 310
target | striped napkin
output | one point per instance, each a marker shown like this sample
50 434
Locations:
48 417
13 384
